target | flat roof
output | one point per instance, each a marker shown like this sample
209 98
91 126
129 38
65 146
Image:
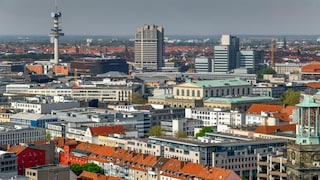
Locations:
240 99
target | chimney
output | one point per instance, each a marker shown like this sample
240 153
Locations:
8 146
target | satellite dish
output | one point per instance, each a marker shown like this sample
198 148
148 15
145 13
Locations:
53 14
59 14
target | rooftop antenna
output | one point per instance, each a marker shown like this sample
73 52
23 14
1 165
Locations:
56 32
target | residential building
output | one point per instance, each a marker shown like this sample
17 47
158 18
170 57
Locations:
130 165
90 134
48 172
258 113
202 64
28 157
14 134
143 147
8 165
149 48
85 175
219 150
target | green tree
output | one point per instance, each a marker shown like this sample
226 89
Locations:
180 134
76 168
156 131
203 131
48 135
136 98
267 70
92 167
290 98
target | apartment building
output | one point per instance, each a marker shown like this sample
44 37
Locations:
8 165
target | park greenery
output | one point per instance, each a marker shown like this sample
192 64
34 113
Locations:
203 131
264 71
90 167
290 98
156 131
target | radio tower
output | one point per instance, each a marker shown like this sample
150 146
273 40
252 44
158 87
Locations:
55 33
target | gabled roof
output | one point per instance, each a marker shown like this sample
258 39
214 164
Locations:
94 176
258 108
17 149
106 130
275 129
313 67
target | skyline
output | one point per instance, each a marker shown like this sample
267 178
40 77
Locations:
187 17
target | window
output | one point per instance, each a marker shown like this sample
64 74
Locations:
178 92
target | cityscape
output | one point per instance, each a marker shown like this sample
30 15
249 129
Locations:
160 99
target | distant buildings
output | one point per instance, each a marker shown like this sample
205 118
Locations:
226 55
203 64
149 48
94 66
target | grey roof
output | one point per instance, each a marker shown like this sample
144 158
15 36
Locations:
32 116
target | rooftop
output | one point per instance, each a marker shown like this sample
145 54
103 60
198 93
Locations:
239 99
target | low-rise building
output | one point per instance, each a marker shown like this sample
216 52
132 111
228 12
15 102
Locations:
239 103
216 116
33 120
28 157
48 172
45 104
14 134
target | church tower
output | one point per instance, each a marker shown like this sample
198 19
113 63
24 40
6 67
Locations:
304 154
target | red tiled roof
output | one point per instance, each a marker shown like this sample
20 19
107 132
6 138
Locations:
277 128
313 85
95 176
17 149
313 67
258 108
106 130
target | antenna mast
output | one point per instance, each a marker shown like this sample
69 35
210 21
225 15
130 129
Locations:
56 33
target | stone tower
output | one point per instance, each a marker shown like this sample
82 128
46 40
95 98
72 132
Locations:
304 154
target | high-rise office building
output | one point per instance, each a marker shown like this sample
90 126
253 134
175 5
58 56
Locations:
202 64
251 59
226 55
149 48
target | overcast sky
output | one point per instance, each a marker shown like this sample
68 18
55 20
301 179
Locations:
178 17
